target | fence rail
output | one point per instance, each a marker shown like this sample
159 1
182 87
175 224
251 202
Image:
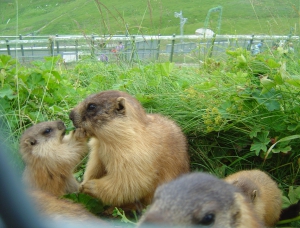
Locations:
186 48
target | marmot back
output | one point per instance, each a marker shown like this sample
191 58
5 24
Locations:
262 191
202 200
50 157
131 152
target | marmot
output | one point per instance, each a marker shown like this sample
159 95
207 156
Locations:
50 157
200 200
290 212
131 152
52 207
262 191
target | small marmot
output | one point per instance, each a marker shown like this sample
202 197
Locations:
200 200
262 191
55 208
132 152
50 157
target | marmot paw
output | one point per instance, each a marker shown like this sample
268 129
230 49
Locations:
80 133
88 187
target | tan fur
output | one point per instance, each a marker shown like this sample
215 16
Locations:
262 191
59 209
200 200
50 157
131 152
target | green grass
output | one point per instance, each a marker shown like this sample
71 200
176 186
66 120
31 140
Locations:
231 111
145 17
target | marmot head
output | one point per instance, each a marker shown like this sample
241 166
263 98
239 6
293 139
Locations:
109 108
41 137
195 199
248 187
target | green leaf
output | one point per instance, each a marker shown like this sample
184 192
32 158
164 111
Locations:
293 81
272 63
118 212
35 79
268 99
56 75
55 109
267 84
282 149
294 197
258 146
205 85
241 59
285 202
278 79
7 60
254 132
6 91
260 142
293 127
165 68
288 138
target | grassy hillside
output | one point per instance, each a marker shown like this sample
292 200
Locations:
145 16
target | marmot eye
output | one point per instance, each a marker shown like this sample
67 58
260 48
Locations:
47 131
207 219
91 107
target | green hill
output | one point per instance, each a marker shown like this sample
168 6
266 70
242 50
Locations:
145 16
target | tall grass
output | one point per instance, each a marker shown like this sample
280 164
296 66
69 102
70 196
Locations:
146 17
231 110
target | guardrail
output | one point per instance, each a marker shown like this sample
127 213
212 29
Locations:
187 48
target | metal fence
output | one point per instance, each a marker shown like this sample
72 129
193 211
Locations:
183 49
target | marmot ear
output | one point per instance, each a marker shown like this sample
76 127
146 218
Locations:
30 141
253 195
121 104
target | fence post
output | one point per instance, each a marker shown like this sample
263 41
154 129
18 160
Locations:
126 47
250 43
22 48
93 46
51 45
132 49
172 48
57 45
7 46
158 47
76 49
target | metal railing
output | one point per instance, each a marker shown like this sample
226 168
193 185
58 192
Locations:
187 48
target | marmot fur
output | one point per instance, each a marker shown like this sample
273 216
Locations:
200 200
50 157
52 207
262 191
131 152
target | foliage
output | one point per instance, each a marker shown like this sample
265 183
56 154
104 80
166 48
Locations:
118 212
241 113
92 204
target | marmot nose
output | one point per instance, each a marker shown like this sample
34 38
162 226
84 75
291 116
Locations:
60 125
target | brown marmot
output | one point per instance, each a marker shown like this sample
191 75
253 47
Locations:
200 200
262 191
131 152
50 157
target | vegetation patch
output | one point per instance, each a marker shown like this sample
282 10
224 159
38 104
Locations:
241 113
